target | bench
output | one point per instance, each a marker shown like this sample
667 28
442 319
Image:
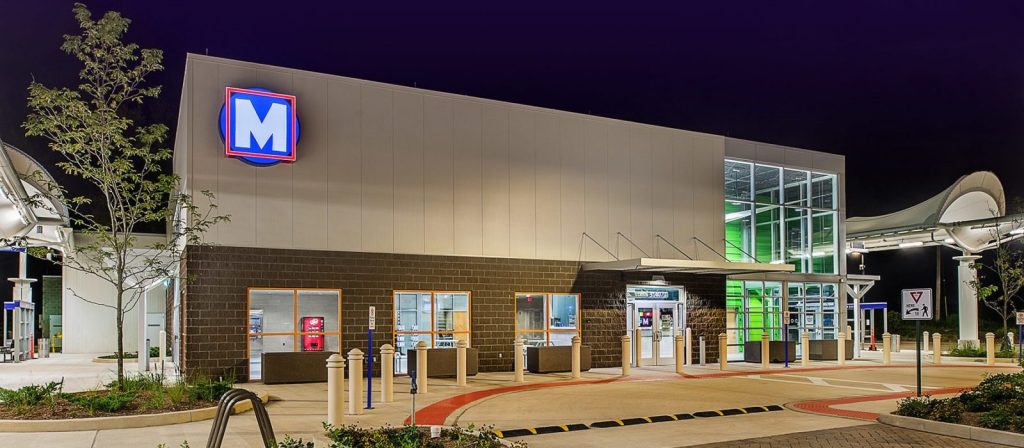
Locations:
295 367
552 359
442 362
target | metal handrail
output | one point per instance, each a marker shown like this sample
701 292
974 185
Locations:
600 245
630 242
673 246
711 248
224 407
750 257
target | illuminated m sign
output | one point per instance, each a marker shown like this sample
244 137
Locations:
259 126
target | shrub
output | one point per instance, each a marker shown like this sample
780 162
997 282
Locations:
31 395
968 350
949 410
919 407
289 442
105 402
139 382
205 389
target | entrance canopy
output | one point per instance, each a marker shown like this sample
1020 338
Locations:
27 216
658 265
970 215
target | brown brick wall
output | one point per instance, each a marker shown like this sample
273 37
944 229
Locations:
214 302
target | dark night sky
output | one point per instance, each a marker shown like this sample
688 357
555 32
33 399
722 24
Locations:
914 93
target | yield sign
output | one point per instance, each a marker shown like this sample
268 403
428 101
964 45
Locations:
917 304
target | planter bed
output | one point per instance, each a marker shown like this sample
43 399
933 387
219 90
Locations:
206 411
954 430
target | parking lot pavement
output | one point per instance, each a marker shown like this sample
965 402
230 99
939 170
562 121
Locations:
873 435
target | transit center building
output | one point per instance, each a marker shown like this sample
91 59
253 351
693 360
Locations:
460 218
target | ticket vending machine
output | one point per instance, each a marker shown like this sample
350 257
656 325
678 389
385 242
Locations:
312 342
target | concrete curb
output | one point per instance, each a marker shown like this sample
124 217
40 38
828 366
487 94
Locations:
121 422
954 430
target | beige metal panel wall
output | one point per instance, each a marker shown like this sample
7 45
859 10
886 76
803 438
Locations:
409 197
344 166
467 165
385 168
522 143
496 181
573 186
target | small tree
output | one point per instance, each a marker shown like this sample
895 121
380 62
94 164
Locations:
89 127
1001 295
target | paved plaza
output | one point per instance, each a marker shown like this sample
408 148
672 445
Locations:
782 407
871 435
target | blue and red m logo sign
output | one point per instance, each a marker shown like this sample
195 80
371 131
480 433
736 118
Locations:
259 126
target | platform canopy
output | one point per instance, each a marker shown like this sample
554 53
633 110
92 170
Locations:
665 265
26 217
970 216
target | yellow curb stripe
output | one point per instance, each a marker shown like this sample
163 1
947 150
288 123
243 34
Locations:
620 422
648 419
499 434
532 430
564 428
743 411
765 408
674 417
719 413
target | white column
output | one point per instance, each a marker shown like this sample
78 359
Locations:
142 305
858 322
968 299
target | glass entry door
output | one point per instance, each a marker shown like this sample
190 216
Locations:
659 323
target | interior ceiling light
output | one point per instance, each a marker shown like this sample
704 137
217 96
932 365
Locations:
912 244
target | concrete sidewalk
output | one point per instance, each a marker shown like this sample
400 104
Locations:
494 399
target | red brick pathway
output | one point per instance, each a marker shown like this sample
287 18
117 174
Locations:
874 435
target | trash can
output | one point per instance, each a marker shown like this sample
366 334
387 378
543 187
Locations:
44 348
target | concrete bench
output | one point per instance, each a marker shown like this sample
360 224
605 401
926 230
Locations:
442 362
555 359
295 367
827 350
776 351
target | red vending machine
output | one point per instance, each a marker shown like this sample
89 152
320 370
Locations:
312 342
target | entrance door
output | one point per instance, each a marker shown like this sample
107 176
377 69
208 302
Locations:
659 323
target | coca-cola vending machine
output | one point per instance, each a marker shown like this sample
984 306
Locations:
312 342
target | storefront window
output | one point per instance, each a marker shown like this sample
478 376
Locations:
288 320
439 318
754 308
547 319
781 215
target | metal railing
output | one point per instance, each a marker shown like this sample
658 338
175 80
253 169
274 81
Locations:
224 408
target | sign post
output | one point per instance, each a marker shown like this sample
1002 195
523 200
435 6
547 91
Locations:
1020 336
916 305
369 356
785 338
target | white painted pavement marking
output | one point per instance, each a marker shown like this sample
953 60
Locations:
819 381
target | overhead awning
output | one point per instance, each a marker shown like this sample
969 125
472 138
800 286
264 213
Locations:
27 216
656 265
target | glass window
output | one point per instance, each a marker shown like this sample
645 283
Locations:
795 187
737 180
286 320
767 182
739 231
823 243
560 325
412 311
796 238
439 318
768 234
823 191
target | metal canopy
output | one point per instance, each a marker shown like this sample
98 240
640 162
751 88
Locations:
685 266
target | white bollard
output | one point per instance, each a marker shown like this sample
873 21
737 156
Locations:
163 350
689 345
886 349
805 344
765 348
926 338
355 381
723 351
937 348
576 357
626 358
637 352
387 373
517 361
702 351
679 353
336 390
841 349
990 349
421 367
460 363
